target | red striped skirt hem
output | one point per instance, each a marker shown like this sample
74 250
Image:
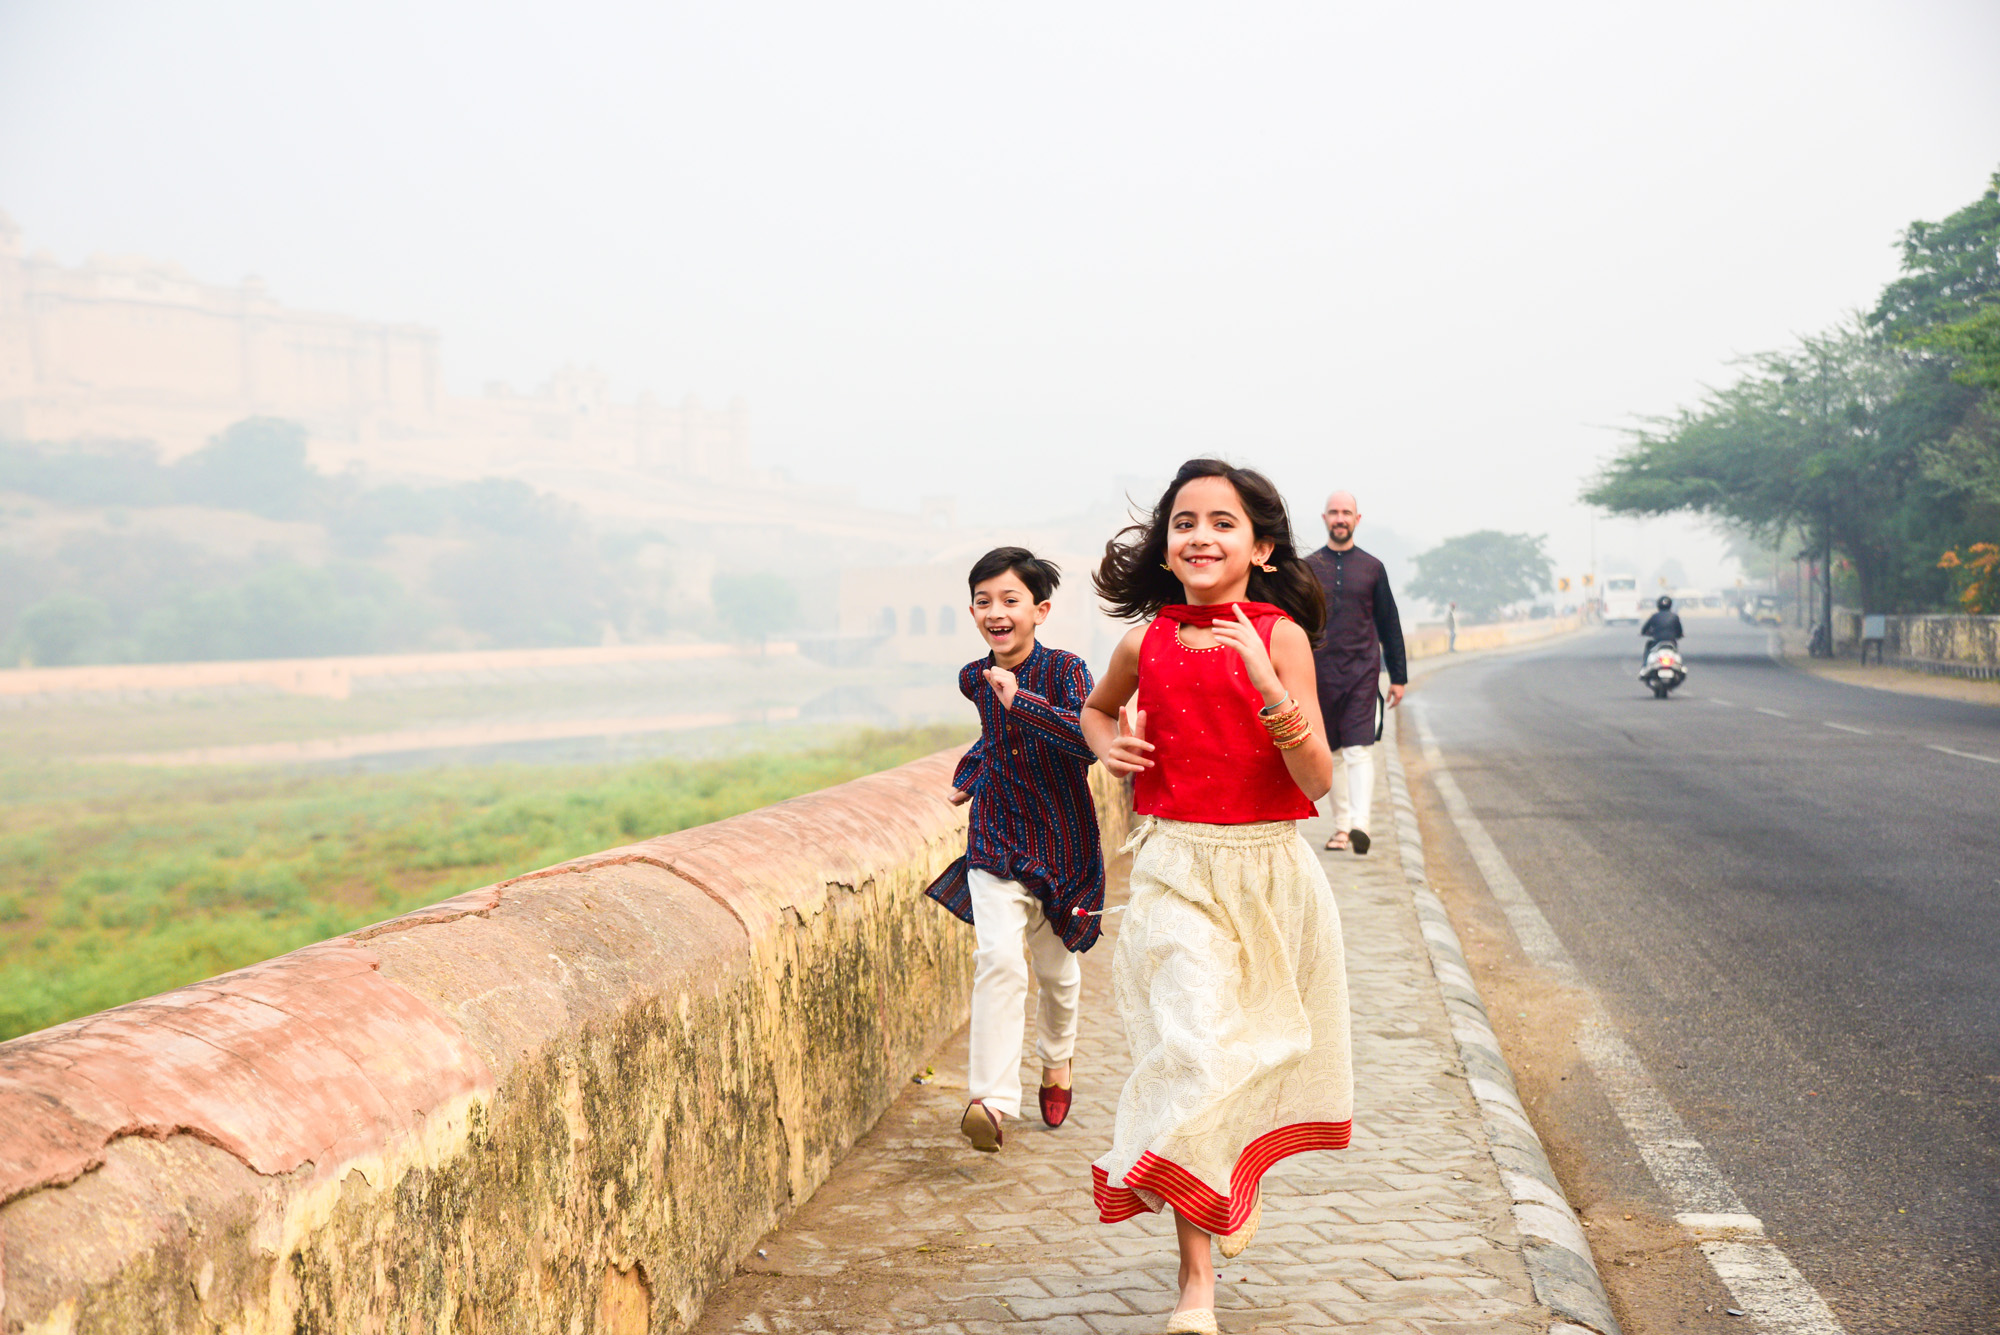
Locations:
1196 1201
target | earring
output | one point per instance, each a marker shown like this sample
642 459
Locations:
1269 570
1165 566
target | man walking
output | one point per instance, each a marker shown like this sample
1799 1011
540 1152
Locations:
1362 630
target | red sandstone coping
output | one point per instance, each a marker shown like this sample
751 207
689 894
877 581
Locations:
310 1057
315 1057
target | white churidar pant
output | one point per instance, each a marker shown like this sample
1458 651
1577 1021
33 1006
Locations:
1005 919
1353 786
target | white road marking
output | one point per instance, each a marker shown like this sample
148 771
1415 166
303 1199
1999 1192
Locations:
1759 1274
1842 727
1966 755
1774 713
1724 703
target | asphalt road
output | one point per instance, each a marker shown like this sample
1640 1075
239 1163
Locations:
1788 897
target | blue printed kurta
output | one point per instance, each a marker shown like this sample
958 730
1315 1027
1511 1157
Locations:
1032 819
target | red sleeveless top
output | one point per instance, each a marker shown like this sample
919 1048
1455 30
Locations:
1213 760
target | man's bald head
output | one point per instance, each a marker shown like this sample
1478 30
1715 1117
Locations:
1342 516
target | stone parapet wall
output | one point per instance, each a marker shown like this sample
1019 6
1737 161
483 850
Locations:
1431 640
1958 646
569 1102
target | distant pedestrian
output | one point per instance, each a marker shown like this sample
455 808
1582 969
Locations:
1363 630
1032 879
1228 971
1451 628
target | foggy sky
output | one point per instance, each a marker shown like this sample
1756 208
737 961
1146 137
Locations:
1436 254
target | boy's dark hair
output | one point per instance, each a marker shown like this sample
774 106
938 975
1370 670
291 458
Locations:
1039 575
1135 583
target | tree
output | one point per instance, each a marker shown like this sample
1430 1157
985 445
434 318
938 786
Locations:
1950 269
61 629
1947 305
755 605
258 465
1827 439
1482 572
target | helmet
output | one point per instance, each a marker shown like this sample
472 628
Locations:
1665 602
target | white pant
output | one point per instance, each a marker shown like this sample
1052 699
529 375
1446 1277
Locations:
1353 786
1005 917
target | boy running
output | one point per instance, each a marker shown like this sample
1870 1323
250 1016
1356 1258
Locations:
1033 874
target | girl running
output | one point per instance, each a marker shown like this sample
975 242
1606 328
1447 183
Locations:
1228 972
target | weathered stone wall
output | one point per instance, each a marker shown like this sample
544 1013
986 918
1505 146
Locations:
1958 646
570 1102
1965 646
1428 641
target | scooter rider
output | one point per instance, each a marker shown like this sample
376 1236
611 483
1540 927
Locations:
1665 624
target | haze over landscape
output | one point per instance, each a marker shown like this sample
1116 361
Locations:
1439 257
490 689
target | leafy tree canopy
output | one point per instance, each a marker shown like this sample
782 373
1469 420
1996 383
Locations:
1483 572
1829 439
1949 268
258 465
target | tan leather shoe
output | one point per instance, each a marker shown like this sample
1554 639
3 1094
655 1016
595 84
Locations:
981 1126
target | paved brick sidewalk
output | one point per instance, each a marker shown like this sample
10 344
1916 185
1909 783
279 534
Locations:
1408 1230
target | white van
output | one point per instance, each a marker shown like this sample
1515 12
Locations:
1621 600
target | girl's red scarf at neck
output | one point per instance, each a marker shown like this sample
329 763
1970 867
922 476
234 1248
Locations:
1207 614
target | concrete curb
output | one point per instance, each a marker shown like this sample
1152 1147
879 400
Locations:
1557 1253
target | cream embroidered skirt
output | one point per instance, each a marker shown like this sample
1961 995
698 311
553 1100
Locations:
1229 976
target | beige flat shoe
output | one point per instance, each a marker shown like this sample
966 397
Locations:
1199 1321
1232 1244
982 1128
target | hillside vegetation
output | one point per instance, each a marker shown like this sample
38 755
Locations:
244 550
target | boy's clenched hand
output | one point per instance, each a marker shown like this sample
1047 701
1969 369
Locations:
959 797
1004 684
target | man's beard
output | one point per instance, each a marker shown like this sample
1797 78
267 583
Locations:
1339 533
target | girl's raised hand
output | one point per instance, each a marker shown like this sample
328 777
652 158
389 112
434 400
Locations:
1241 635
1127 752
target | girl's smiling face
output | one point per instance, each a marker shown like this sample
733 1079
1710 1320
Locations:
1210 544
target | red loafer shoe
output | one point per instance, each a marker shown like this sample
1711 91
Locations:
1055 1104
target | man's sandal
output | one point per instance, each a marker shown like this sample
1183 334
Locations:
981 1126
1359 840
1338 842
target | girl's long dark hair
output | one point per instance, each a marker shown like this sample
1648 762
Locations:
1135 585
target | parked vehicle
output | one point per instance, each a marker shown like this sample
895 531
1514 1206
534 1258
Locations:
1763 611
1665 668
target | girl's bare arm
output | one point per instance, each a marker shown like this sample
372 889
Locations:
1115 734
1310 762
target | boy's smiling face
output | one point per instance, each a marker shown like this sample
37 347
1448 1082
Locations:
1007 614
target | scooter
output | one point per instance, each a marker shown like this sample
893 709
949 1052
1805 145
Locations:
1665 668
